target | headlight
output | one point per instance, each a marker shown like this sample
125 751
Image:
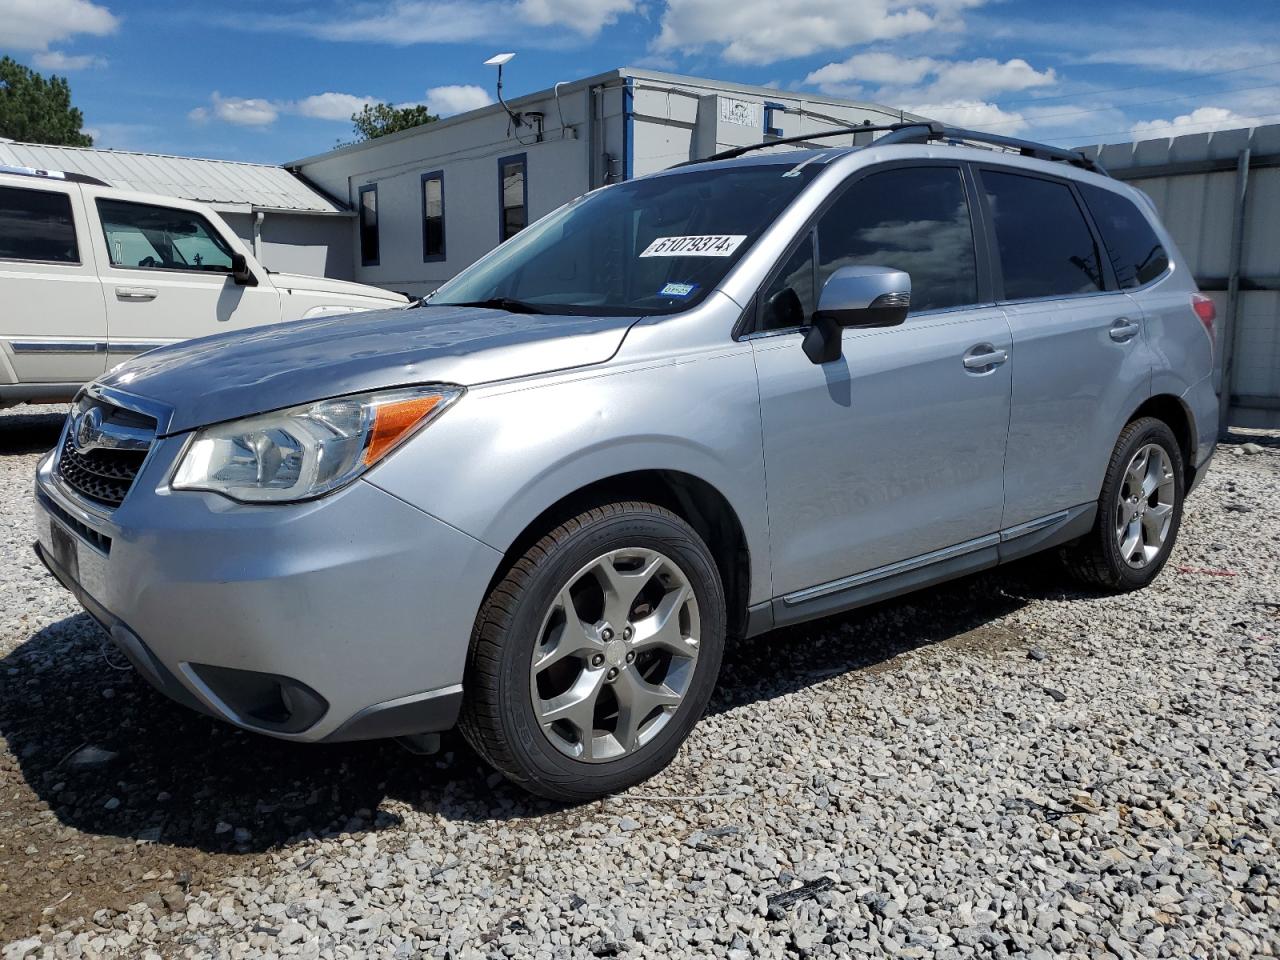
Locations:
308 451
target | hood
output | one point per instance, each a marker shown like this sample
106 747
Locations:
298 283
238 374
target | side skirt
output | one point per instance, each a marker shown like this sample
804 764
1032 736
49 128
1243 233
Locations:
895 579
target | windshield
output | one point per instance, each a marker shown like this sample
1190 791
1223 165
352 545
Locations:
651 246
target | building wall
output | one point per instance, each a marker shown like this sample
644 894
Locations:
1195 184
558 169
317 246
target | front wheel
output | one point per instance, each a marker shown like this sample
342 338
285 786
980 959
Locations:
1139 511
594 656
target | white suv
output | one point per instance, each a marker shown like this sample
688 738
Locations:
91 275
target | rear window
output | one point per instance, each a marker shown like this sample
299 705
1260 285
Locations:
1135 251
37 225
1046 247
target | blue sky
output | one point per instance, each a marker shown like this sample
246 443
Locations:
276 81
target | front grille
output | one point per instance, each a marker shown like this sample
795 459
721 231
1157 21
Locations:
101 474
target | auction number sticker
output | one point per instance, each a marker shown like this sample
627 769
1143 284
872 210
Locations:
709 245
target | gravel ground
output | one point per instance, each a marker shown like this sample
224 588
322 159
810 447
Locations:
998 767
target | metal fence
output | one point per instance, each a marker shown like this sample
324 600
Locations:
1219 195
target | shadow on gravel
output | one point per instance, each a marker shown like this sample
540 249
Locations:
29 432
190 782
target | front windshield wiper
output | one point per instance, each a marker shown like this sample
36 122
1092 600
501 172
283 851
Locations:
500 303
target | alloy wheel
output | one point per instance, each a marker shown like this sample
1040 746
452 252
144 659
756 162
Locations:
615 655
1144 507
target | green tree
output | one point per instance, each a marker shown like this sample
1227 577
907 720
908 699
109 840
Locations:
38 110
379 119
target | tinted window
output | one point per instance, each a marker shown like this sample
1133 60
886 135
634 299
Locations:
915 219
1046 249
514 190
433 216
161 238
788 299
655 245
1134 249
37 225
369 225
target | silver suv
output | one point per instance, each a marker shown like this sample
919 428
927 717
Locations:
700 405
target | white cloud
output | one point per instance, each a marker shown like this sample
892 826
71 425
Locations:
405 22
928 79
241 111
974 114
56 60
765 31
456 98
34 24
329 106
1199 120
585 16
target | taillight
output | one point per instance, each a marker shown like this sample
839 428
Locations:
1206 311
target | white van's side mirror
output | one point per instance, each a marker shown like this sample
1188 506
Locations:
240 271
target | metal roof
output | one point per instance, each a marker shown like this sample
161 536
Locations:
228 186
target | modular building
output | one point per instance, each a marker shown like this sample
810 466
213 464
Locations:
433 199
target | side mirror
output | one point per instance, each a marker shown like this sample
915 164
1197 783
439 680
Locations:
856 297
240 271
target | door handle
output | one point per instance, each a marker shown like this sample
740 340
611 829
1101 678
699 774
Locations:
984 357
1123 330
139 294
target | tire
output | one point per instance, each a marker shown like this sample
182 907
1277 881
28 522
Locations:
533 723
1100 559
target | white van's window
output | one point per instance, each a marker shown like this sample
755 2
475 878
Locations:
588 258
37 225
161 238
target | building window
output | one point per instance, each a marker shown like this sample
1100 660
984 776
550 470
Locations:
369 225
433 216
513 196
770 108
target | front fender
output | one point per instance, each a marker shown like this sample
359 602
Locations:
506 453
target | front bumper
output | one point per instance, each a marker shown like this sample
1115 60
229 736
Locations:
343 618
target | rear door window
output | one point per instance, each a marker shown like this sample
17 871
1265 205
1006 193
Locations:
1135 251
1045 244
914 219
37 225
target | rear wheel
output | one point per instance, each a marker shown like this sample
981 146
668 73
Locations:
594 656
1139 511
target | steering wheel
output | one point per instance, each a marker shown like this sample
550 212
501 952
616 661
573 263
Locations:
148 261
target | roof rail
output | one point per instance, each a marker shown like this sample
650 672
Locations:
923 131
928 131
53 175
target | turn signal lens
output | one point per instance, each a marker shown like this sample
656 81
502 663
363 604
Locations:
393 420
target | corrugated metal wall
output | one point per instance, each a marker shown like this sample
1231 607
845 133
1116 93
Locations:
1219 195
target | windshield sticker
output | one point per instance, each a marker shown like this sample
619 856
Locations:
677 289
710 245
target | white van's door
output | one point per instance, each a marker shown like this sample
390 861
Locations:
53 322
167 274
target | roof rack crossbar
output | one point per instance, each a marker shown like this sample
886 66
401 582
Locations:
924 131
